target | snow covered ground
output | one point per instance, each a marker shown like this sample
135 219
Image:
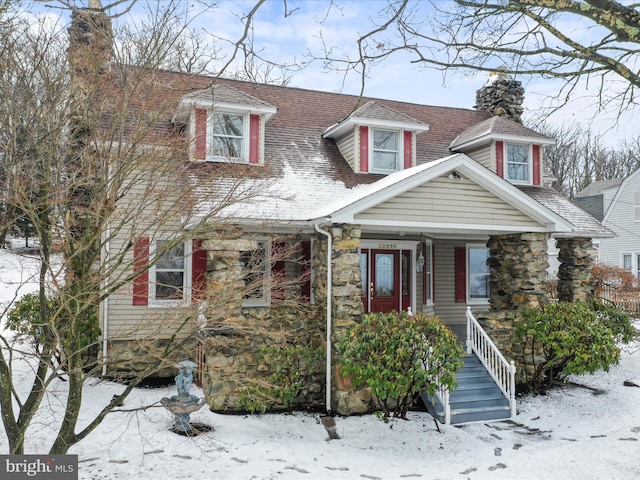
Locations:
572 433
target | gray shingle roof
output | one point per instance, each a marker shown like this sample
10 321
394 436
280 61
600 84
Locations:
375 110
496 127
597 187
585 225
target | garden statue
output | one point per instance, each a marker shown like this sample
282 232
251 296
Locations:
183 404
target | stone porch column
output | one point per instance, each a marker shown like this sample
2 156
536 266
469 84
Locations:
518 274
574 273
347 309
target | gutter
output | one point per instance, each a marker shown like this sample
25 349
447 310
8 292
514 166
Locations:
329 319
105 310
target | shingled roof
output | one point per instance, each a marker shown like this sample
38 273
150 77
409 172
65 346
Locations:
585 225
303 170
497 127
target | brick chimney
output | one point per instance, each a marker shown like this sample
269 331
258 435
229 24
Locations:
502 96
90 40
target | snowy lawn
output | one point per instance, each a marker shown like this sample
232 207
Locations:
572 433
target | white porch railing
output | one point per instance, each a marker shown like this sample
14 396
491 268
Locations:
502 371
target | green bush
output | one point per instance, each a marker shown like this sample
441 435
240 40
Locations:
291 367
561 339
398 356
56 330
24 318
617 320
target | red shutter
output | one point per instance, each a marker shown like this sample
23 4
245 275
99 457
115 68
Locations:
201 134
461 274
500 158
254 138
536 165
305 271
364 149
408 149
425 269
198 270
433 274
141 272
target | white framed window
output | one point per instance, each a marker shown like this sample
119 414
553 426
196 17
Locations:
636 206
517 162
170 274
626 261
229 137
255 265
477 274
385 150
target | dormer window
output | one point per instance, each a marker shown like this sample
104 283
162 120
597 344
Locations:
518 163
225 124
377 139
228 136
385 151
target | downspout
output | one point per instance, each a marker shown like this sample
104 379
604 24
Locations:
105 308
329 320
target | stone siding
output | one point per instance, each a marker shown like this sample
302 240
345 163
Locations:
233 335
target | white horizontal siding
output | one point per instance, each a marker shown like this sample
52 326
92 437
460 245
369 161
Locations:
449 200
347 147
484 155
620 219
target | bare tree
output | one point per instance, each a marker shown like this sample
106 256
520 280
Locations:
527 37
88 160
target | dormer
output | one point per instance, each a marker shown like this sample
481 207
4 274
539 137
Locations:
511 150
377 139
226 125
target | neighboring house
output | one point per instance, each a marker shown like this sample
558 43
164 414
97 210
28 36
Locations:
380 205
621 206
593 199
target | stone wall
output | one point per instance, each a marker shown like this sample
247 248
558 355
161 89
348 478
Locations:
502 96
129 358
233 335
574 273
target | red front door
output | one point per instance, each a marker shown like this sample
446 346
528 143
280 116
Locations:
381 280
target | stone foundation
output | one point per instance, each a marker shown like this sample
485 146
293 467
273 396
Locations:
129 358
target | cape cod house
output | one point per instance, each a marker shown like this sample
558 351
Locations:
359 205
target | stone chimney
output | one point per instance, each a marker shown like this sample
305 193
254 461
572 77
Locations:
90 40
502 96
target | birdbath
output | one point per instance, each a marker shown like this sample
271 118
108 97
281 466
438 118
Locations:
183 404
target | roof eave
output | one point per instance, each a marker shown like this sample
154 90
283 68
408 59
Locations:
339 129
